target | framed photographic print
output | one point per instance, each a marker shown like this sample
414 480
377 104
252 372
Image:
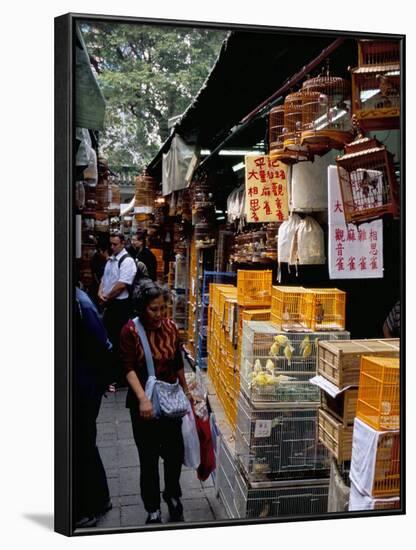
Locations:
229 283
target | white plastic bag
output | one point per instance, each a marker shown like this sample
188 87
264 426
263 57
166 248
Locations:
192 453
308 243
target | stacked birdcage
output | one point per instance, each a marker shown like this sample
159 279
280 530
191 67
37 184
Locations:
210 277
308 309
375 461
367 179
274 380
339 380
326 121
280 498
254 288
376 85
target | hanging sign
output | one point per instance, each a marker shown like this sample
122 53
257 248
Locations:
266 189
354 251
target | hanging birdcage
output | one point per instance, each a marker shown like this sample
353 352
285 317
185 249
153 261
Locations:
367 180
293 125
277 149
144 197
376 85
326 106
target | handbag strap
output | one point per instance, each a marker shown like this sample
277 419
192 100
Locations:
146 347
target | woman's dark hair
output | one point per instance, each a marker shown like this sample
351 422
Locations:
144 293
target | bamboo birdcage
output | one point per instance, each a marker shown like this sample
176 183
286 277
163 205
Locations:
376 85
277 130
367 180
326 122
287 308
324 309
293 121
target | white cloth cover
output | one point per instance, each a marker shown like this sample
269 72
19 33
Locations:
175 165
359 501
364 453
308 246
309 183
285 236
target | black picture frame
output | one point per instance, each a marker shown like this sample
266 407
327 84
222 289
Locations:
64 266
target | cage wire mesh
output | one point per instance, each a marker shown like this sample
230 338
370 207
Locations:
279 442
226 473
277 367
265 500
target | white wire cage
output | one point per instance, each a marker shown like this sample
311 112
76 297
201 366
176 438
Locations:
281 442
226 474
281 498
276 367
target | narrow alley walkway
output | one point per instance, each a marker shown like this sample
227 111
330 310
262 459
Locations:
120 458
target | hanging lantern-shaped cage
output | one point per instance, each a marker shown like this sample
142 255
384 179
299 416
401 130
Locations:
326 120
367 179
376 85
277 149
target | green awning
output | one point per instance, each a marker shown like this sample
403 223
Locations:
89 100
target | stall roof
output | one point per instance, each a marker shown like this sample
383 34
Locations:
250 67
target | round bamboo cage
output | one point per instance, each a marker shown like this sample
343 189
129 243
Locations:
276 126
293 121
326 121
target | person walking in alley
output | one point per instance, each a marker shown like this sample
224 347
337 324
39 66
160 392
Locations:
161 437
92 377
139 251
113 293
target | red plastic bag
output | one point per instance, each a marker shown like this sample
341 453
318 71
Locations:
207 449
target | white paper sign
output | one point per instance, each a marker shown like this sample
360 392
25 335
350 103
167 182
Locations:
263 428
354 251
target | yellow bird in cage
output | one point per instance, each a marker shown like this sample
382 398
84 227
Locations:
288 351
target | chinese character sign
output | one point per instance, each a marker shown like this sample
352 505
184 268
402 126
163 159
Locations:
354 251
266 190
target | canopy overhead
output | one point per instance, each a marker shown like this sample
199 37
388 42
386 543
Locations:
250 67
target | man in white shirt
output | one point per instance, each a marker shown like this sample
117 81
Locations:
113 293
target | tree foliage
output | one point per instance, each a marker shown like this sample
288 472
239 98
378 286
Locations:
148 74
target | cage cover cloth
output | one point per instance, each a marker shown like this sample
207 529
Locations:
175 166
364 454
309 186
358 501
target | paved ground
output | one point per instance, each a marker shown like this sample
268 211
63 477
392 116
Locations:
121 462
